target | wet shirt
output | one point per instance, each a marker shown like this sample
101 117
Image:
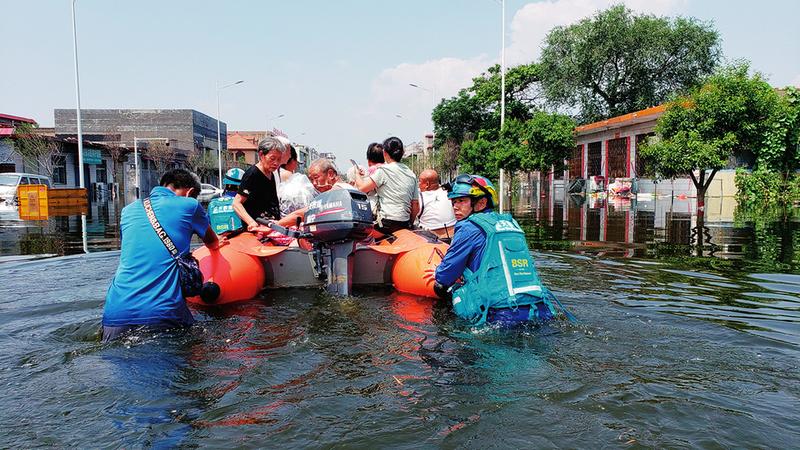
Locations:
262 194
397 186
146 289
465 251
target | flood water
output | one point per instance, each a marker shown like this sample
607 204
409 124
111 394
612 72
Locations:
672 349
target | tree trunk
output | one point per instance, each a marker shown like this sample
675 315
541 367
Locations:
701 184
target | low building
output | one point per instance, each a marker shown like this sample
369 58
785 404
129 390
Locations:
190 135
243 146
10 161
608 150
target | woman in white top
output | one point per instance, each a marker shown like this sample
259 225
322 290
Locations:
396 185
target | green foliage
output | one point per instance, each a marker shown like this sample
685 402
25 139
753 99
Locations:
615 62
780 151
729 116
459 118
476 156
533 144
478 107
763 187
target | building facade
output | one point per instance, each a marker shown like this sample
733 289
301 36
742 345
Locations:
607 150
9 160
190 135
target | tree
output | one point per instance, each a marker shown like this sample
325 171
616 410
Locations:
539 143
202 162
477 156
118 155
446 159
39 153
730 116
543 141
478 107
781 150
615 63
458 118
161 154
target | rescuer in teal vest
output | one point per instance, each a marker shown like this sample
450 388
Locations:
220 210
488 273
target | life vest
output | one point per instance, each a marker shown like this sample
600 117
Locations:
506 276
223 217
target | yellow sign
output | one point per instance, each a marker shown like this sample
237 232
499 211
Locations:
32 202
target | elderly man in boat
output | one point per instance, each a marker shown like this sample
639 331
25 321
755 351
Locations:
324 176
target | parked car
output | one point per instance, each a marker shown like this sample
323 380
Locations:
208 192
10 181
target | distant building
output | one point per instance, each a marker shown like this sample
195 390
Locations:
329 155
428 142
191 134
414 148
243 146
9 161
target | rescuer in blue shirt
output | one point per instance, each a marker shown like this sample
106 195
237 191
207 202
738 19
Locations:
488 274
146 290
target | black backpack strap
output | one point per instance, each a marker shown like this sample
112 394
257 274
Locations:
160 232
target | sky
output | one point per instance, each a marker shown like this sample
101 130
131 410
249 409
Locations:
337 71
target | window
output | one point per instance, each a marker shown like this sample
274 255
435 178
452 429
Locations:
617 157
59 169
25 180
595 159
101 172
576 163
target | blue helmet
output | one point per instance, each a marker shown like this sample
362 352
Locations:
234 176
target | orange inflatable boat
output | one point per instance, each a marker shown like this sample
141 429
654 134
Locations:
332 250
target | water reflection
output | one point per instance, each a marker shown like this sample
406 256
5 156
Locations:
661 227
647 227
62 233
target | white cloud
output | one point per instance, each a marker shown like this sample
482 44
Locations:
533 21
443 77
392 95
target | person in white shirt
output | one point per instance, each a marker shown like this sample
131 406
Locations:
436 211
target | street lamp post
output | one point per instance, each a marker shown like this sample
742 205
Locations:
136 157
502 95
270 119
219 136
433 98
78 122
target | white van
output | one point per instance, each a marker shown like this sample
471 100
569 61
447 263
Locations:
10 181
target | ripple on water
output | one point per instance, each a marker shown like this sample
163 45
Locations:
659 359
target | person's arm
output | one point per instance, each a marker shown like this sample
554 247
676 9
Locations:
291 218
414 209
210 239
364 184
238 207
457 256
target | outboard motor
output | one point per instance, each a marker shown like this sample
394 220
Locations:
335 221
